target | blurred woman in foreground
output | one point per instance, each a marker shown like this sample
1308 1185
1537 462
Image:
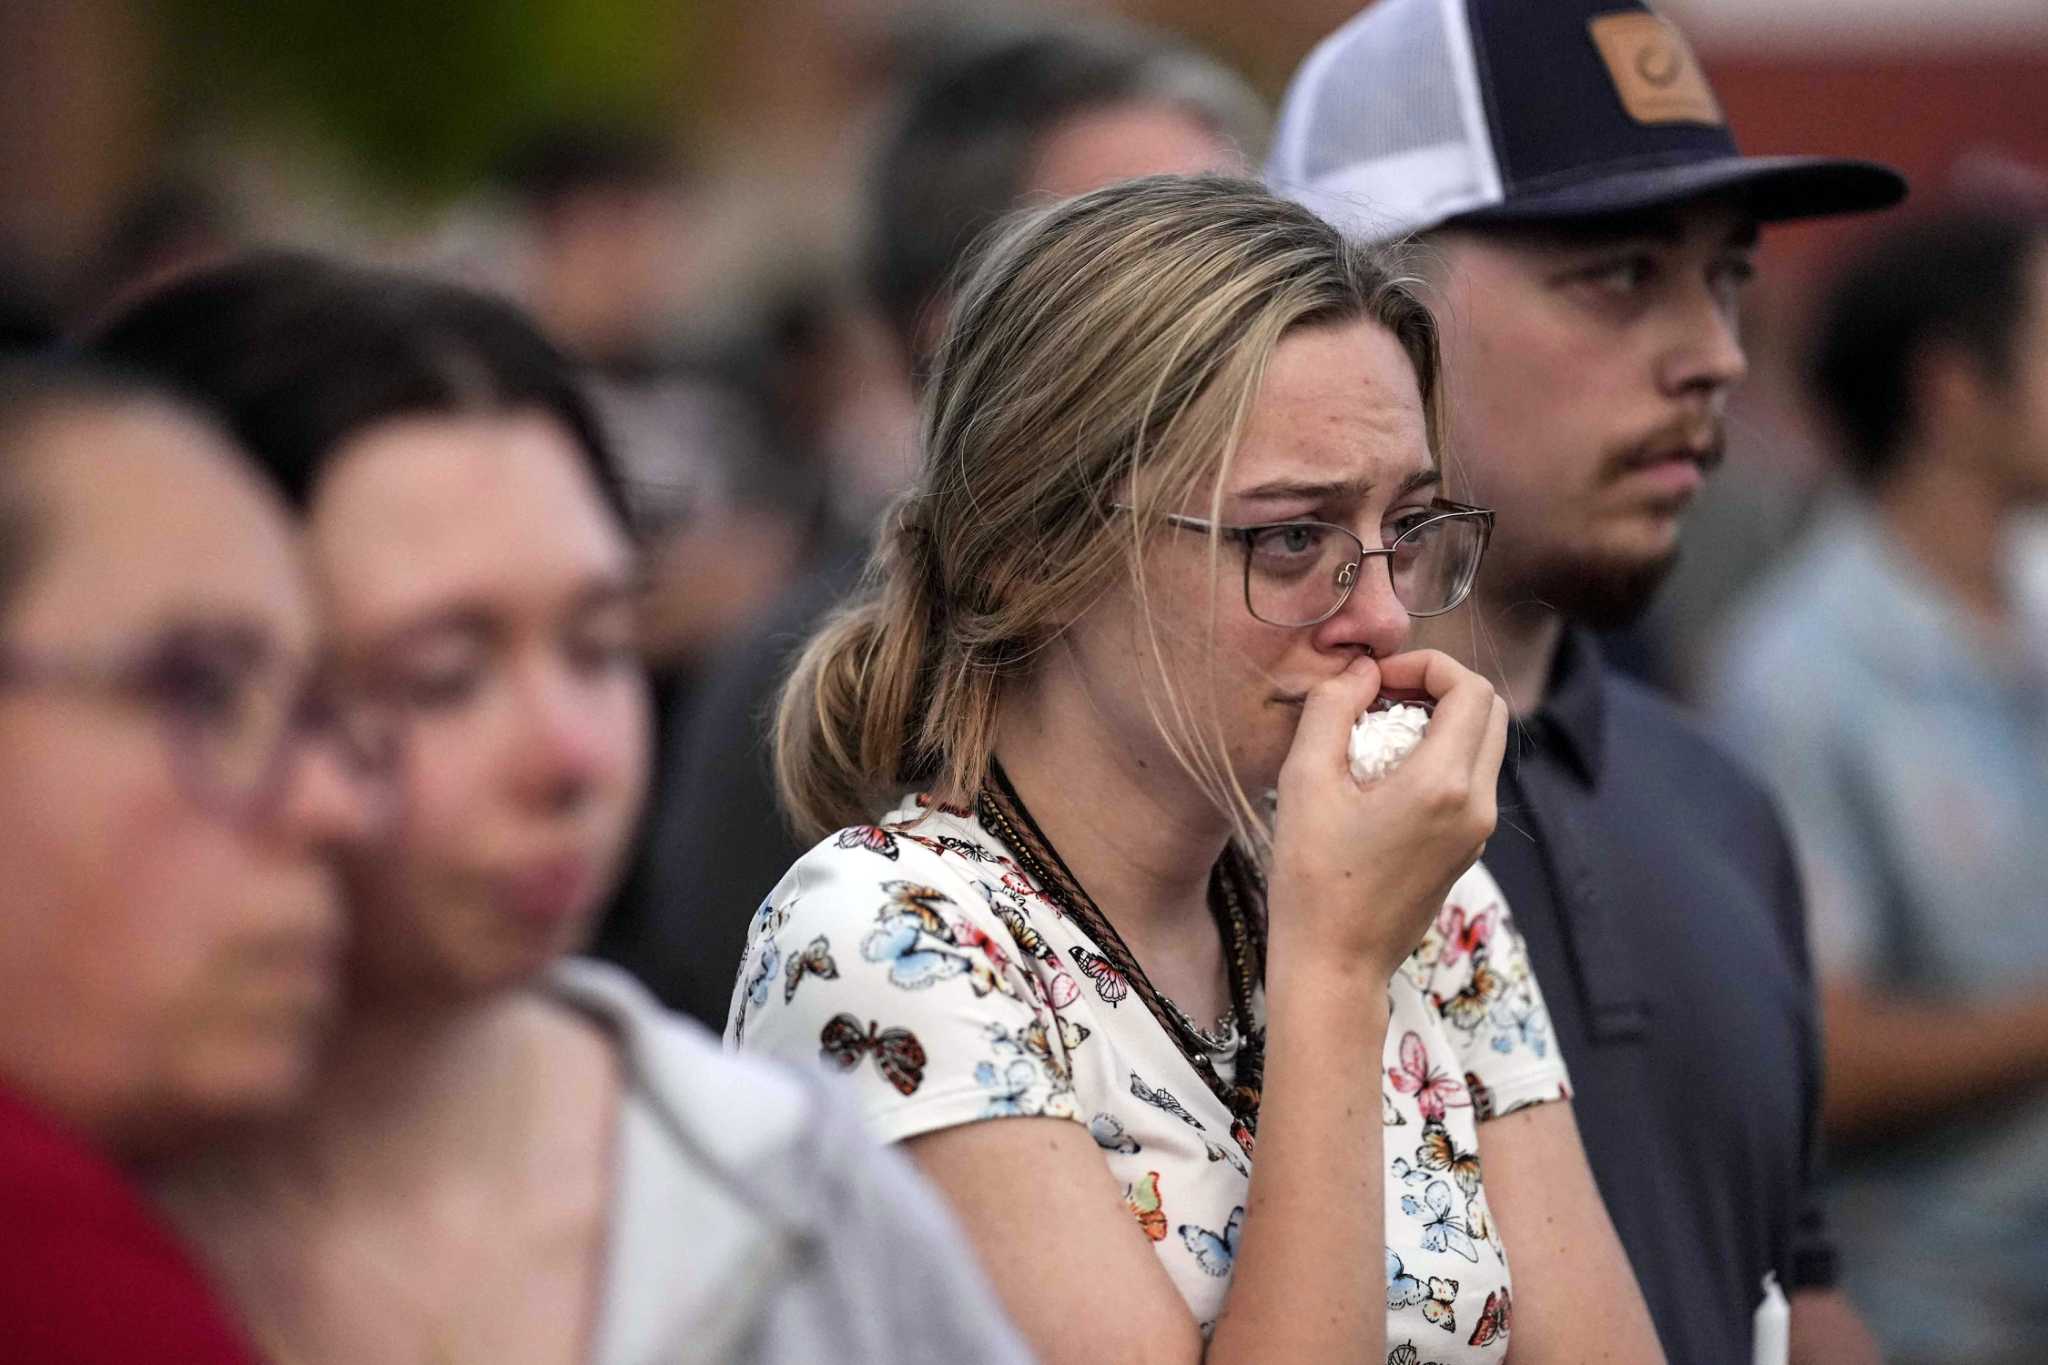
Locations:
1177 507
173 785
510 1157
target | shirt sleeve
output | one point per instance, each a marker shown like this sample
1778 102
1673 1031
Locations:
1481 982
879 959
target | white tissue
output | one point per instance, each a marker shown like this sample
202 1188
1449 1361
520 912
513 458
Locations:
1381 739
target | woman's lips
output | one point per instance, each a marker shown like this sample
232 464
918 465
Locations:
546 892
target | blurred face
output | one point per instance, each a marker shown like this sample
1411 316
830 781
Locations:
167 961
1587 369
474 576
1336 435
1098 147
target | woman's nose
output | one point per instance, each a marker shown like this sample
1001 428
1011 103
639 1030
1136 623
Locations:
1371 617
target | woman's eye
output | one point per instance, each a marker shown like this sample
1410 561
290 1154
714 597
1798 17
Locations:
604 643
431 682
199 689
1404 522
1289 541
601 653
433 689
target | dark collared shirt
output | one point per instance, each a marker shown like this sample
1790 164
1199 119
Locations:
1657 891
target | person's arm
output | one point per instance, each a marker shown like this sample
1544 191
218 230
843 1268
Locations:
1358 875
1826 1330
1895 1064
1576 1299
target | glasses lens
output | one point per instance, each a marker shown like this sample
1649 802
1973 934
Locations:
1296 574
1433 564
230 714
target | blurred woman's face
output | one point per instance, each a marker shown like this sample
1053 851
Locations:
475 577
174 921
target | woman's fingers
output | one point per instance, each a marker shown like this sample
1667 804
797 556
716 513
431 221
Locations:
1332 708
1458 724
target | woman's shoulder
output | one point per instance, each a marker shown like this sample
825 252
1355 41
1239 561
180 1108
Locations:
941 846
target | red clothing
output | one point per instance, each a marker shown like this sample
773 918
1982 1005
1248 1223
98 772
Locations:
89 1273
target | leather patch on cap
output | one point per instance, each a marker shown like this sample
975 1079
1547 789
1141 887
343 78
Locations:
1653 68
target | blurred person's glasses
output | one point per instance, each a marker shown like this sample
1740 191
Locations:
1300 573
235 715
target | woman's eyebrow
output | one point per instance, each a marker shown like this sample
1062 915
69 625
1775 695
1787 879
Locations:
1291 490
469 620
1304 490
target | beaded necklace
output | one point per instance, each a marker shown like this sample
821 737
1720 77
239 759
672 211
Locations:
1236 903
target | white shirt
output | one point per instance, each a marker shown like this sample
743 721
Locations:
918 956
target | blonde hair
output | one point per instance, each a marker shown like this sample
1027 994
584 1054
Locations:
1102 353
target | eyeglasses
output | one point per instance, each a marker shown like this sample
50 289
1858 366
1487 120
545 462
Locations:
1300 573
235 714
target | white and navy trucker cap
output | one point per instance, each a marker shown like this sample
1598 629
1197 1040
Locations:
1419 113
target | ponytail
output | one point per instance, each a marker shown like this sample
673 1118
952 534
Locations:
852 724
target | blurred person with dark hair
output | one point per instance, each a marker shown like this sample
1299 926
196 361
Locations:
1886 680
717 492
606 207
1037 115
172 796
1587 225
508 1156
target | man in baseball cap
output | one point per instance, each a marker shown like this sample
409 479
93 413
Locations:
1587 225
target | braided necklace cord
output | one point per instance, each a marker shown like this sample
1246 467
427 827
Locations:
1235 893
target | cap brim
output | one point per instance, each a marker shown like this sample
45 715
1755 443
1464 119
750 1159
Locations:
1774 188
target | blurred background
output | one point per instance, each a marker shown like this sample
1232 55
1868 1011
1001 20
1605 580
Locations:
673 187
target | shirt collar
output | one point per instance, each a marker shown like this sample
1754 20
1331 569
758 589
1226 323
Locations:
1573 716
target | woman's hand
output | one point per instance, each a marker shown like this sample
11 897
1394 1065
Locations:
1359 871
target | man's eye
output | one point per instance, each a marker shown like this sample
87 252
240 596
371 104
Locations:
1623 275
1731 273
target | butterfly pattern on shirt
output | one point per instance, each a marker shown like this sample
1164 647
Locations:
963 994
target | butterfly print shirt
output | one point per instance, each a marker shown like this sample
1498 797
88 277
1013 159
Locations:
917 958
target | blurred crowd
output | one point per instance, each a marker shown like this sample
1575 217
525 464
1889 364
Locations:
547 483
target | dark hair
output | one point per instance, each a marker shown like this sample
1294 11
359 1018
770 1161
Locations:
1956 277
297 353
965 136
31 392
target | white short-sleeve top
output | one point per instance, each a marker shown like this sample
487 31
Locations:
917 956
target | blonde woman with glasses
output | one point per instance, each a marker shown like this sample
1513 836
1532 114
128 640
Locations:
1272 1078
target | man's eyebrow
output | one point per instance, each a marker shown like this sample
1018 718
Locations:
1743 236
1661 226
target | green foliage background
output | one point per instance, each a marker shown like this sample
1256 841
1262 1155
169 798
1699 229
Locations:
427 94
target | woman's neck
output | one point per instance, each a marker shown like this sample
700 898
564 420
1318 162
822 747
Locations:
407 1088
1134 830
